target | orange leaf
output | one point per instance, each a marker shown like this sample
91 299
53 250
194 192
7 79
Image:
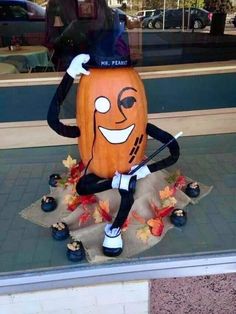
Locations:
97 216
104 205
143 233
167 192
137 217
156 225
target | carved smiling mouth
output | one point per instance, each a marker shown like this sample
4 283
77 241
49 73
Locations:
116 136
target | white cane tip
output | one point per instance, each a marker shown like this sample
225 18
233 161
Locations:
178 134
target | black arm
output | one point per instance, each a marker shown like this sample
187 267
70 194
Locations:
164 137
54 110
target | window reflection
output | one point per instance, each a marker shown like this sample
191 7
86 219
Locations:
157 32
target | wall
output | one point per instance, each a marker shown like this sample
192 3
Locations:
116 298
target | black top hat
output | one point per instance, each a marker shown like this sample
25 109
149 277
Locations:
111 48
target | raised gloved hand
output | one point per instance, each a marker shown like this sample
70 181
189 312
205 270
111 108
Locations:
141 172
121 181
76 66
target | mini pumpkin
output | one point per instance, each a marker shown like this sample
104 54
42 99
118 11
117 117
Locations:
112 118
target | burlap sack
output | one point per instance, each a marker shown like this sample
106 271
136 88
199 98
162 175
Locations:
92 234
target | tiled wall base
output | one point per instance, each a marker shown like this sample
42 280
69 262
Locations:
115 298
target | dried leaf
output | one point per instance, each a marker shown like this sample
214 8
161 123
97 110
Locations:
88 199
143 233
180 182
156 225
104 205
97 215
168 202
84 218
166 211
69 162
137 217
155 209
125 224
173 177
167 192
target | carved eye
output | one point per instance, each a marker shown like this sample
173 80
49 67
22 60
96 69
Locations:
102 104
127 102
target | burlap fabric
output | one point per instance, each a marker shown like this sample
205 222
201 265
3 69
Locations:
92 234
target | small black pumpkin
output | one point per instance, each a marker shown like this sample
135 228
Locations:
75 251
53 179
178 217
192 189
48 204
60 231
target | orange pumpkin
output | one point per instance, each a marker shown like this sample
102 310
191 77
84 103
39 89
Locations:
112 117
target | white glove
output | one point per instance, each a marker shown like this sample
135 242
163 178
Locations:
76 67
121 181
141 172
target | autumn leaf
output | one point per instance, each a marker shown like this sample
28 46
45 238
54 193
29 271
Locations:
137 217
69 162
168 202
88 199
173 177
101 212
166 211
156 225
97 215
72 201
104 205
180 182
143 233
84 218
166 193
155 209
125 224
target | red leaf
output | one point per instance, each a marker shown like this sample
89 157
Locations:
165 211
125 224
84 218
81 166
88 199
105 215
180 182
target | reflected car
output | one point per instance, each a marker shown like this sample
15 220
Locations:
128 20
234 21
147 22
198 19
141 15
18 17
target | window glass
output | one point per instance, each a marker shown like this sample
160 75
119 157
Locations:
18 12
154 32
35 12
4 13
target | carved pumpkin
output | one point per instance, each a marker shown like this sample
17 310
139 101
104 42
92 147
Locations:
112 117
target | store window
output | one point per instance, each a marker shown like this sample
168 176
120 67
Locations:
155 32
